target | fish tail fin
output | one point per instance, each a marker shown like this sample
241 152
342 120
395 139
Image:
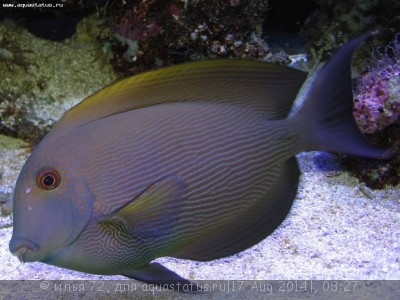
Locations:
325 120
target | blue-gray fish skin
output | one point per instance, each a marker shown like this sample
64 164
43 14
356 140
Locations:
194 161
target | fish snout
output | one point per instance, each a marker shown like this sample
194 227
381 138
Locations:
20 247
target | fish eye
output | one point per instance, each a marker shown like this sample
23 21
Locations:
48 179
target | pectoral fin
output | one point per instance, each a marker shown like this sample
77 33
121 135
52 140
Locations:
157 274
150 214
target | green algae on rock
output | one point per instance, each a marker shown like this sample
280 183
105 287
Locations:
12 155
43 79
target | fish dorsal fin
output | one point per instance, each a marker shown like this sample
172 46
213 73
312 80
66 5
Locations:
148 215
266 87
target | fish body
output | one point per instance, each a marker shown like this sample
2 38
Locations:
194 161
192 217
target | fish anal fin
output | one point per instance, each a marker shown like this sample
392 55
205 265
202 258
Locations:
159 275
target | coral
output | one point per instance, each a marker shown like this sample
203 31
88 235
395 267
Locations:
137 24
172 31
336 21
377 113
377 92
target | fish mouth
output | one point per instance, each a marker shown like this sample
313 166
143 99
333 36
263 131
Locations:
23 249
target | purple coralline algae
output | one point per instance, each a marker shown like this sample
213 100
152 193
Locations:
377 113
377 93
